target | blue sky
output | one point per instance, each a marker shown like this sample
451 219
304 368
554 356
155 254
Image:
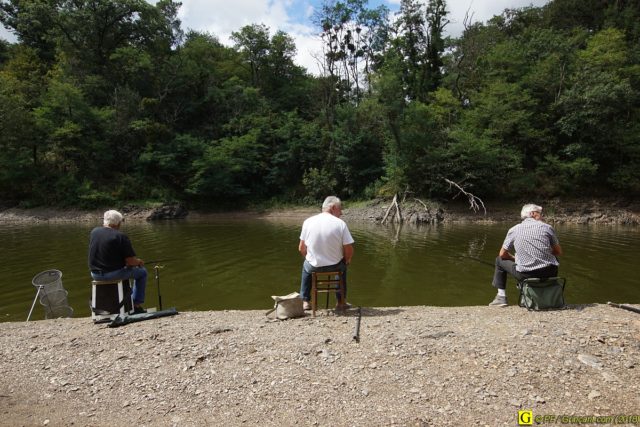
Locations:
221 17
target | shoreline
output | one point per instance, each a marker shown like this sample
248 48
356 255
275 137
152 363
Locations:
413 366
572 212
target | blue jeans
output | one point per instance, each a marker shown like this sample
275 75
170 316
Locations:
139 274
307 269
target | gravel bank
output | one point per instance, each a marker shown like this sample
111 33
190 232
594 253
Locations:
414 366
374 211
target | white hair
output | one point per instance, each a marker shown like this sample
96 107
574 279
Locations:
112 218
330 202
527 210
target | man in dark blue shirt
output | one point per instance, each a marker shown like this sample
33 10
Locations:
111 257
536 248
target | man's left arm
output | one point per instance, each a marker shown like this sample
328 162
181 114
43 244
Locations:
347 251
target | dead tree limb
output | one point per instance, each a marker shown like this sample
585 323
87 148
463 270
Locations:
398 214
422 203
473 200
388 210
399 218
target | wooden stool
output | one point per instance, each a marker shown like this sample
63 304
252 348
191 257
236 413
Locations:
326 282
110 298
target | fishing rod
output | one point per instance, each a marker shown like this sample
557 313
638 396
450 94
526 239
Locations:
625 307
356 332
481 261
157 268
156 261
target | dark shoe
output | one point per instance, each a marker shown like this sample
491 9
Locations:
138 309
345 306
499 301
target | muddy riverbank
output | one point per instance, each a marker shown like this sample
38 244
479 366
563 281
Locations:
413 212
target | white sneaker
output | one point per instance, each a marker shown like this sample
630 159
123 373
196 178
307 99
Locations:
500 301
306 305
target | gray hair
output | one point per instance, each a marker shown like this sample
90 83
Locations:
527 210
330 202
112 218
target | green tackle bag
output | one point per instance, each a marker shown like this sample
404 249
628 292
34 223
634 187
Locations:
542 294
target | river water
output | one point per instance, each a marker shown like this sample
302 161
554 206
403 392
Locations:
239 264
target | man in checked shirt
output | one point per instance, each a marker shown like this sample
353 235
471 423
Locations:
536 249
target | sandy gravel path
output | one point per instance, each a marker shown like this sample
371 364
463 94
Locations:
413 366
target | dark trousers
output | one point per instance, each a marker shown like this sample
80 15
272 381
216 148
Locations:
504 266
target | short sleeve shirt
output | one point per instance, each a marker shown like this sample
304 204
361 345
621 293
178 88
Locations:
325 235
532 241
108 249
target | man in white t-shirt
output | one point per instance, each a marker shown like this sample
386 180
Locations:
326 245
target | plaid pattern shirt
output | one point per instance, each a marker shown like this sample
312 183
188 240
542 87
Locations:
532 241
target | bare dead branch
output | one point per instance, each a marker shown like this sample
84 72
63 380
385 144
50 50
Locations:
389 209
422 203
399 218
473 200
397 215
468 19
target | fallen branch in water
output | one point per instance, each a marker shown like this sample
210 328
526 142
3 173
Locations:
473 200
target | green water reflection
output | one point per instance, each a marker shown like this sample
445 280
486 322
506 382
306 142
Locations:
238 264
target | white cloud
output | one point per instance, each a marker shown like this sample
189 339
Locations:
222 17
7 35
482 11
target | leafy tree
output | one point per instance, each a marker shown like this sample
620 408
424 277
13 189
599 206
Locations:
270 65
286 83
253 42
228 168
416 50
104 101
569 14
600 106
17 162
33 22
352 38
360 136
437 21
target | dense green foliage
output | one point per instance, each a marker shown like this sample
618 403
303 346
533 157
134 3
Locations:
110 101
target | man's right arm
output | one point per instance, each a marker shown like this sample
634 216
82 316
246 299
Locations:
508 243
504 254
556 250
133 261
